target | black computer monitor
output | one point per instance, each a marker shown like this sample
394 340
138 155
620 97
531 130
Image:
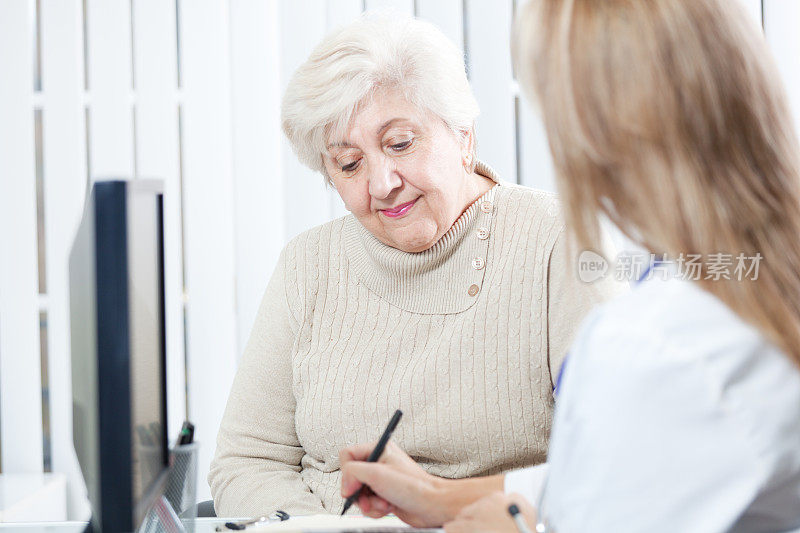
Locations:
116 277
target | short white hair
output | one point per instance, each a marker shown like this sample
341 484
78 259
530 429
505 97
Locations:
373 52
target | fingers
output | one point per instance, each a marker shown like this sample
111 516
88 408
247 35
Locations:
357 452
365 505
396 487
361 452
396 483
380 505
357 473
350 484
374 506
489 514
526 508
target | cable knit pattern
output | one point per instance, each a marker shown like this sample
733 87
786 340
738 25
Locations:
351 329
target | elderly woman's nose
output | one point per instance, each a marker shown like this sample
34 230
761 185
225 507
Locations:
383 180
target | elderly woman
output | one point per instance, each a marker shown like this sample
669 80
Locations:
446 293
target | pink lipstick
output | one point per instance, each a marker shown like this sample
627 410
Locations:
398 211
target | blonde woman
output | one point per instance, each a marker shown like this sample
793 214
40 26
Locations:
679 406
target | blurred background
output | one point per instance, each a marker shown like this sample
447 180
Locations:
188 91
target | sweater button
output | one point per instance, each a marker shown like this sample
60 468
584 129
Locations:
483 233
473 290
478 263
486 206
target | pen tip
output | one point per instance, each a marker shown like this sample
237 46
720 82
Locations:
513 510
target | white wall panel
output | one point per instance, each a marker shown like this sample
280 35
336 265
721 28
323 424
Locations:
64 166
208 219
111 116
535 161
488 37
20 370
782 27
155 68
446 15
402 6
303 24
341 12
257 142
336 205
753 7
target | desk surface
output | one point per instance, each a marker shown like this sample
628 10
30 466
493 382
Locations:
33 497
206 525
202 525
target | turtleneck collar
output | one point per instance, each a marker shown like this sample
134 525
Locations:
445 278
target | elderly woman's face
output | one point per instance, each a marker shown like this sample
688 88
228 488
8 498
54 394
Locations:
401 172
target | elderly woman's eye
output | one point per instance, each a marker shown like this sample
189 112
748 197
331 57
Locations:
399 147
350 166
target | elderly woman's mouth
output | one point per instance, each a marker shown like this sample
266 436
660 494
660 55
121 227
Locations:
399 210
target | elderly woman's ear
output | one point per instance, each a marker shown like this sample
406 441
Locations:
468 142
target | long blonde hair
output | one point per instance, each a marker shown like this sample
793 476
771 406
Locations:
669 118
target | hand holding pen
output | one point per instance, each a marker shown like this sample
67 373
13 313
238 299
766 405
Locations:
397 485
375 455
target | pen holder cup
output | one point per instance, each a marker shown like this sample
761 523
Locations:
181 488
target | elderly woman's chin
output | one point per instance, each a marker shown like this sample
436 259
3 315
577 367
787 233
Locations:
412 233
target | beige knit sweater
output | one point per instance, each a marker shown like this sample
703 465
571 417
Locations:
465 337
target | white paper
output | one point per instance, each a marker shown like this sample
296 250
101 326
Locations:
329 523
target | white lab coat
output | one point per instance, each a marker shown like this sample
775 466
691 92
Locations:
672 415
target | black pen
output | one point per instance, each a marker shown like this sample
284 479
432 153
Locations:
375 455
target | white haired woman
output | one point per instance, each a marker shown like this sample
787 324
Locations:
679 407
445 293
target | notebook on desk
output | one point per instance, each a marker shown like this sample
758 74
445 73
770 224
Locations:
343 524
